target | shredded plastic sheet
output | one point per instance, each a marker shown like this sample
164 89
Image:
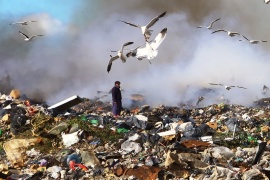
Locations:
70 139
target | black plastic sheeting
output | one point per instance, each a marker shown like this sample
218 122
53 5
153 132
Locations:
17 118
146 125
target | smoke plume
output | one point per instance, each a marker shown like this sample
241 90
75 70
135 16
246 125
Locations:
71 58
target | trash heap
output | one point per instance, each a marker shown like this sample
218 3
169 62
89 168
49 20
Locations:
78 138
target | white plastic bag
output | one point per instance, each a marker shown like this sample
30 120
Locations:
70 139
129 146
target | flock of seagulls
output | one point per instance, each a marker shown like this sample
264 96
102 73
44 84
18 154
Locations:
26 37
150 50
227 87
232 33
265 90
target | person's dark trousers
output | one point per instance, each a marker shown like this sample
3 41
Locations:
117 107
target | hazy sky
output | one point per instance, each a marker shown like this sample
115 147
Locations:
72 55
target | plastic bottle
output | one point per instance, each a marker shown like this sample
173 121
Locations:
74 157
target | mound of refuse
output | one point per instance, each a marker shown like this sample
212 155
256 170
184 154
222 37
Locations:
78 138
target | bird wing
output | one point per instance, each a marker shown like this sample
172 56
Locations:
110 62
214 22
159 38
135 25
34 36
216 84
133 52
241 87
219 30
257 41
154 20
245 37
23 34
126 44
236 33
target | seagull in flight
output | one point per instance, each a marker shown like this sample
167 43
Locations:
27 38
199 100
120 55
252 41
266 1
230 33
265 89
209 26
22 22
150 50
227 87
145 29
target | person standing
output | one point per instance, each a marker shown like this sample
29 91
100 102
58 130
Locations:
116 99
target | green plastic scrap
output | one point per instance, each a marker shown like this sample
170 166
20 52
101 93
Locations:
252 139
94 121
122 130
84 118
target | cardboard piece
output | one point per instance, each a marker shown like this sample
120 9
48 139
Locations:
167 133
15 93
65 104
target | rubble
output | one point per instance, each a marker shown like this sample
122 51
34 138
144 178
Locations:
79 138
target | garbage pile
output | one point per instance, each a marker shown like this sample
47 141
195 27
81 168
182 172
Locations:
78 138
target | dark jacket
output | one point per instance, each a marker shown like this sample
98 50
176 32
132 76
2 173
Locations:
116 94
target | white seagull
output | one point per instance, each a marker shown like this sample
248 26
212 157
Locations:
22 22
150 50
227 87
230 33
209 26
252 41
145 29
27 38
120 55
266 1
